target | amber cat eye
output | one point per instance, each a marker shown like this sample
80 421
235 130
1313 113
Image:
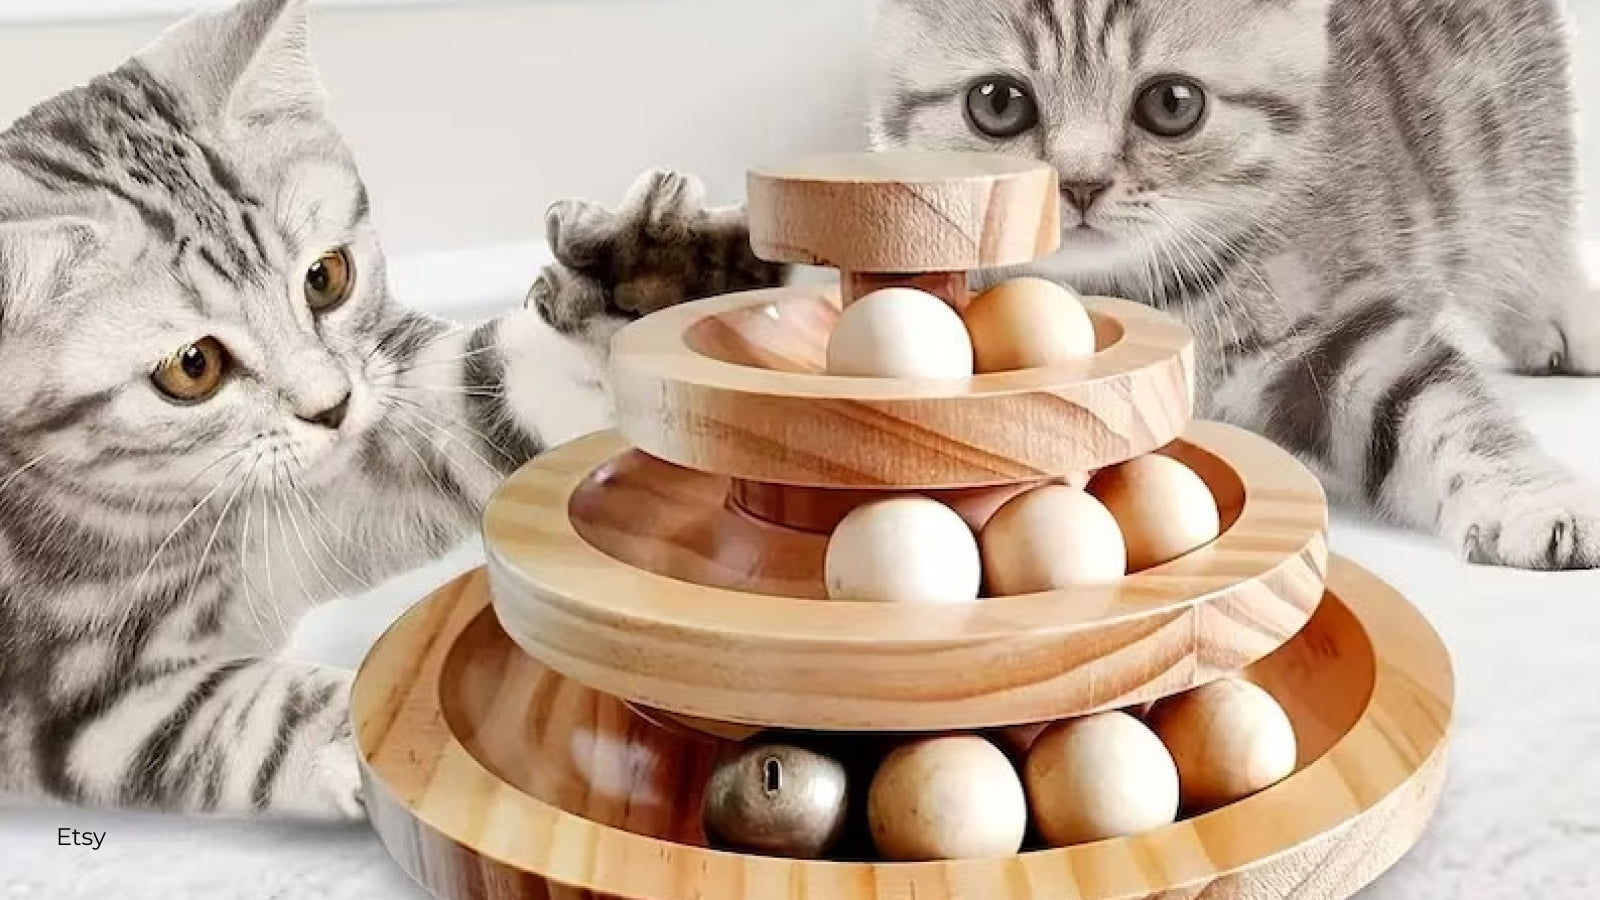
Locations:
329 280
194 373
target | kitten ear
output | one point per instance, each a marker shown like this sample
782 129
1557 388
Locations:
38 259
248 63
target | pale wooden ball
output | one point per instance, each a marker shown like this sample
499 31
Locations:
1230 739
1027 323
947 798
1100 777
1164 508
903 550
900 333
1051 538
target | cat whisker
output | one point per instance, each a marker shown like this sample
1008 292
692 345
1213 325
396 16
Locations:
300 536
413 450
454 390
421 412
176 530
22 470
227 508
299 493
420 364
321 513
250 590
288 549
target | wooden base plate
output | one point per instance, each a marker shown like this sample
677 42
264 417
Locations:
490 776
642 580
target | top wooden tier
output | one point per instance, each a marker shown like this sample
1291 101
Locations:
737 385
904 213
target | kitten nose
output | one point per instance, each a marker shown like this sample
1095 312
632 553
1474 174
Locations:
333 416
1083 194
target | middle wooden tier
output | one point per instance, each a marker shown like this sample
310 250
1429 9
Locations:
644 580
735 385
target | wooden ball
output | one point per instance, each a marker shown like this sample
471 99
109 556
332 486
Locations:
1230 739
900 333
947 798
903 550
1100 777
1051 538
1026 323
778 800
1164 509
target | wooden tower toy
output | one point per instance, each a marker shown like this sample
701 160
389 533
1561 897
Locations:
657 600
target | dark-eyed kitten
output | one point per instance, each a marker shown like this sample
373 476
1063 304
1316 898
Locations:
1357 206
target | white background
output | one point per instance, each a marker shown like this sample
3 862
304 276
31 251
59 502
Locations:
470 116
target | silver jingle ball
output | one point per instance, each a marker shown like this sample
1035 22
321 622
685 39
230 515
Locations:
777 800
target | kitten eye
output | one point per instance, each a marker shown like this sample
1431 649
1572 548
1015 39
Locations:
329 280
194 373
1170 107
1001 107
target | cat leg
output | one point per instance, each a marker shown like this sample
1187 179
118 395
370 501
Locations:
236 737
483 400
1543 314
1396 416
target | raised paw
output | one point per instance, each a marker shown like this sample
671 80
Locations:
660 247
1557 534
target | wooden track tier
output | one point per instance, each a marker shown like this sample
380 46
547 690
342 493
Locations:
644 581
906 212
734 385
490 776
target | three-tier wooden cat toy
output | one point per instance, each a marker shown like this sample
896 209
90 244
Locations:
686 620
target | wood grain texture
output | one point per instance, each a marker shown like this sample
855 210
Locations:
489 777
643 580
901 212
734 385
951 287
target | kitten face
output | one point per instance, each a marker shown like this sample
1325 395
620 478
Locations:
1174 125
188 280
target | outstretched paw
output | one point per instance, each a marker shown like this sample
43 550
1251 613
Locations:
661 247
1551 530
338 775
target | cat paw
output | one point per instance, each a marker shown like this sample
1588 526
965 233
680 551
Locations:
336 772
1553 530
1536 348
660 247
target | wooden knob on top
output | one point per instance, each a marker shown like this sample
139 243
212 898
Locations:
905 213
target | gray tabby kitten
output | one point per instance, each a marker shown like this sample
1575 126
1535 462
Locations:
1355 204
214 417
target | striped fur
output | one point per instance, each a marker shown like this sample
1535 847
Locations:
154 555
1377 207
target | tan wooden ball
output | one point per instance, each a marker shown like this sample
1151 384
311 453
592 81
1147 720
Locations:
1048 539
1026 323
1230 739
952 797
1164 508
1100 777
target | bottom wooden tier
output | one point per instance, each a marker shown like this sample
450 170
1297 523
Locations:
490 776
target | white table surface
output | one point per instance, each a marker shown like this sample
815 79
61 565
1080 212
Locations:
1520 817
